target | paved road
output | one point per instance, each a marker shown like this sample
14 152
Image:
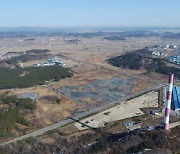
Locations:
69 121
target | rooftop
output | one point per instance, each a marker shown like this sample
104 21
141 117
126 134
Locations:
31 96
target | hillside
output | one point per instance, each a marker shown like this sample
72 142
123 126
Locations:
12 113
141 59
156 141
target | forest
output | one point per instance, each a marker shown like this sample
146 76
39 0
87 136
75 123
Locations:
12 113
30 76
130 60
140 59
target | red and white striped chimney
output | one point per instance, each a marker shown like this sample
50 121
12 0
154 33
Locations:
168 102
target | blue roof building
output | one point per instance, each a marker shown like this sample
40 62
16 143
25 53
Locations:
176 98
31 96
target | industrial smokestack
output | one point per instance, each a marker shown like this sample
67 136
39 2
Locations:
168 102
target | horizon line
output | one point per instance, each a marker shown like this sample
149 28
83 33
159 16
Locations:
135 26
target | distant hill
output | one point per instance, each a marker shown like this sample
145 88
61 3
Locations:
170 35
114 38
140 59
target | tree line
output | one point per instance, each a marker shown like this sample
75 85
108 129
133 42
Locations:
12 113
30 76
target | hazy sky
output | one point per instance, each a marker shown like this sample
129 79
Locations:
58 13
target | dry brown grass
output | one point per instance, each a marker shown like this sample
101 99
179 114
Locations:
47 113
78 58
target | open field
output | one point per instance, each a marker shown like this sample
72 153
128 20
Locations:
91 74
83 92
94 50
95 83
47 113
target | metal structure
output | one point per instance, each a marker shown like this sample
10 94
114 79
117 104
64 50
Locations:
176 98
168 102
